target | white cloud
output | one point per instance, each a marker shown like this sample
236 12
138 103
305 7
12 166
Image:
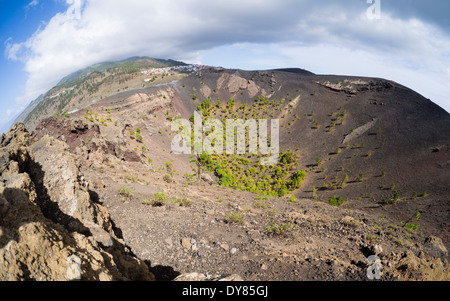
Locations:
32 4
329 37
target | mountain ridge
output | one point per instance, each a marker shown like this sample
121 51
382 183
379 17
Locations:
101 67
131 65
137 62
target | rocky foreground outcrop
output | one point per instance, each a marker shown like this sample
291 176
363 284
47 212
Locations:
50 229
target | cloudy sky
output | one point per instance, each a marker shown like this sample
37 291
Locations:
407 41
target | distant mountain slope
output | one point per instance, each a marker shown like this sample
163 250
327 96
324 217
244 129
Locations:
85 86
132 63
29 109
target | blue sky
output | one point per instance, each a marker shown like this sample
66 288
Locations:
18 21
44 40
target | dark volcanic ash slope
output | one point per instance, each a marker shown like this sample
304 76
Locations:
389 134
383 137
381 147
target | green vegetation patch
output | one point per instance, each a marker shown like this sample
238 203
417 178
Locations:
245 172
336 201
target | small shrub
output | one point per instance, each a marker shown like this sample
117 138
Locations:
231 103
283 191
281 229
318 161
169 168
234 218
346 178
361 178
159 199
293 199
146 202
348 221
371 238
336 201
296 179
260 204
185 202
167 178
315 196
126 192
417 215
411 226
395 197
